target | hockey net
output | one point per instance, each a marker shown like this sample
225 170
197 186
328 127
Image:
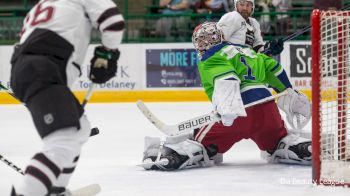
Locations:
330 97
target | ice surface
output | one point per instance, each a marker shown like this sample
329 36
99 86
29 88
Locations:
110 158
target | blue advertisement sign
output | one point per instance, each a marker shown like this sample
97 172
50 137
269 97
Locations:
172 68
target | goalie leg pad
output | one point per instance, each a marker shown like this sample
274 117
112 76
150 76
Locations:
54 108
292 149
182 155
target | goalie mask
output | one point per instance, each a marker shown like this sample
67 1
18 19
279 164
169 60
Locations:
205 36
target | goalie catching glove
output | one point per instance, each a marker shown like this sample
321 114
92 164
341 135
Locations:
297 108
227 100
103 64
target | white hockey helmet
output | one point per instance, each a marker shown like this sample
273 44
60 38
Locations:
205 36
252 1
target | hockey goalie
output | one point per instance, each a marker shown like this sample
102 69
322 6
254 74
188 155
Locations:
232 76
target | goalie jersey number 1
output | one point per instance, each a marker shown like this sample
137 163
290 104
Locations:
249 75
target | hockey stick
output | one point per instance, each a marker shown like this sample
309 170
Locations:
306 29
300 32
7 91
188 126
88 95
291 36
94 131
9 163
89 190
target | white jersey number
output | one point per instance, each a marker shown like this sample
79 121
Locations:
42 14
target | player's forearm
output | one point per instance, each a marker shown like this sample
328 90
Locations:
111 40
164 3
111 28
276 75
181 6
279 82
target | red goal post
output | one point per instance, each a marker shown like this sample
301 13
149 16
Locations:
330 97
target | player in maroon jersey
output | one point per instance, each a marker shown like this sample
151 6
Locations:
53 44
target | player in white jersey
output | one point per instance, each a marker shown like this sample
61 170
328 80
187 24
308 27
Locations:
240 28
54 39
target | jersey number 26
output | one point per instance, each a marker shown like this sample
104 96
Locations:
42 14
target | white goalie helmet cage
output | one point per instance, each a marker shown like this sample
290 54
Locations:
205 36
252 1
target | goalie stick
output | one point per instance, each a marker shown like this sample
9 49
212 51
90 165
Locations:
187 127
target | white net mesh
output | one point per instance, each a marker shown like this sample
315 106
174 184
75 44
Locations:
335 89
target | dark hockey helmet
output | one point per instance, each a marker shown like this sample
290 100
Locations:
205 36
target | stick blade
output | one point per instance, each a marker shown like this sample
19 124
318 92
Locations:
89 190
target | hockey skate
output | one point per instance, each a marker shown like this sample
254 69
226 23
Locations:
292 149
162 155
170 161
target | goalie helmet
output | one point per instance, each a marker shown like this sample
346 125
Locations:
252 1
205 36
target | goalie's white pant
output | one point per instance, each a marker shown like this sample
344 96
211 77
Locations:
54 165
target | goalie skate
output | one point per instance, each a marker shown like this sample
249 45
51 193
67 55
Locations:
149 164
167 162
292 149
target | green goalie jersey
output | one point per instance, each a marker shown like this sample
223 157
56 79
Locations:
256 72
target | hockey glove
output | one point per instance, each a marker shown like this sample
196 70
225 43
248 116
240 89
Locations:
274 47
103 65
297 108
227 101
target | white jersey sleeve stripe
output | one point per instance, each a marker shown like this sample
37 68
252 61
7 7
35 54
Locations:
119 26
114 11
113 20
